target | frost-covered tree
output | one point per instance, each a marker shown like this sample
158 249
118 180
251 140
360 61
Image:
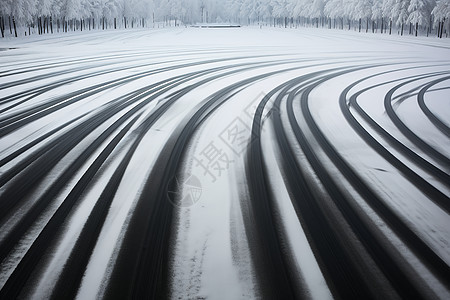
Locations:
70 8
44 10
126 13
249 10
441 13
22 12
377 11
280 9
233 10
264 9
442 9
5 13
401 12
396 11
362 9
314 9
420 12
44 7
335 9
177 10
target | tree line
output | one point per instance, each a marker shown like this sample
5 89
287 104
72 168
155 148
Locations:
26 17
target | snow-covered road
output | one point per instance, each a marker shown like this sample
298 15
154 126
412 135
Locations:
224 164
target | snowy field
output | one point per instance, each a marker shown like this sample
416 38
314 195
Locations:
235 163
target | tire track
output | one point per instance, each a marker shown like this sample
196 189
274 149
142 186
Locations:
145 231
433 194
432 117
432 169
129 92
444 160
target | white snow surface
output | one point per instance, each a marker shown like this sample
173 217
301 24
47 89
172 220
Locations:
211 255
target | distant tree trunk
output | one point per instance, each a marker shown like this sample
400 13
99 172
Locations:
103 21
3 24
10 27
373 26
442 28
381 25
367 25
410 28
57 24
48 25
51 24
429 27
359 24
1 27
125 21
438 29
81 24
446 33
390 27
417 27
115 23
14 24
39 26
401 32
